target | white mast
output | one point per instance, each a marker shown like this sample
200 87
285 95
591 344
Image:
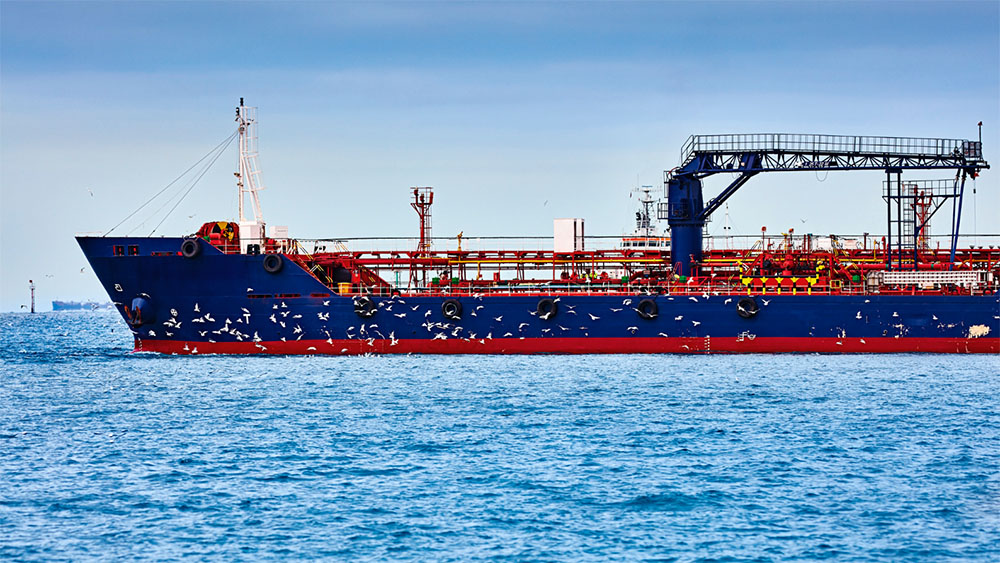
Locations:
248 180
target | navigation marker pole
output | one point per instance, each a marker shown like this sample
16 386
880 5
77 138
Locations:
31 285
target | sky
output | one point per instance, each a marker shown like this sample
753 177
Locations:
516 113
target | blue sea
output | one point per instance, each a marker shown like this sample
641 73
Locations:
112 455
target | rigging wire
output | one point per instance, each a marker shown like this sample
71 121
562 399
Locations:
193 184
187 185
225 141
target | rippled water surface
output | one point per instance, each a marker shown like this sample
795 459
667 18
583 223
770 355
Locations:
107 454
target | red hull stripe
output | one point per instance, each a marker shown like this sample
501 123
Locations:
584 346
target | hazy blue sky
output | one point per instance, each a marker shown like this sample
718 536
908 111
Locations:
515 112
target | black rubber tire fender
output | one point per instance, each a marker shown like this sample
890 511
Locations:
547 308
273 263
648 309
190 248
451 309
747 308
364 307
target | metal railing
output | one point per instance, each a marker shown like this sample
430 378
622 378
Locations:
830 144
712 288
493 244
921 188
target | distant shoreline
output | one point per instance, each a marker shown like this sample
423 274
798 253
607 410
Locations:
79 305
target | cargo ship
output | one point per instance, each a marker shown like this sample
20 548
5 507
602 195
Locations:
237 287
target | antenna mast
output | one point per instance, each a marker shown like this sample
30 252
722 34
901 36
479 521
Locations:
644 217
248 178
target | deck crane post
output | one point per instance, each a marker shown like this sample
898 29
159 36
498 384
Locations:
423 197
750 154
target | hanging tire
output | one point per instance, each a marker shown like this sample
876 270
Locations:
273 263
648 309
747 308
547 308
451 309
364 307
190 248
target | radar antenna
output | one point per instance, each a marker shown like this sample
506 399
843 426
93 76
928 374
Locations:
643 217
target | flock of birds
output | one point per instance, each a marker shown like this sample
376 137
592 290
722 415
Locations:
290 323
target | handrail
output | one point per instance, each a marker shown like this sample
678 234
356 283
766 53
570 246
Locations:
830 144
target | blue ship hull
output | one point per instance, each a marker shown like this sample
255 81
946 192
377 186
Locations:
229 303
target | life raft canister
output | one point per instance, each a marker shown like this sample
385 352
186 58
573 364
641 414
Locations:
364 307
451 309
648 309
273 263
747 308
190 248
547 308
